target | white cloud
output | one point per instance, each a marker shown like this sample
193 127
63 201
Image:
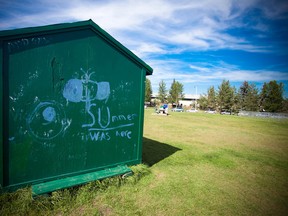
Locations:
190 25
206 74
152 28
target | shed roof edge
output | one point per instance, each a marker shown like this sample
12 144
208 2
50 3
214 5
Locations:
16 33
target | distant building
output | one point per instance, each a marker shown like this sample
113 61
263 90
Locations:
188 100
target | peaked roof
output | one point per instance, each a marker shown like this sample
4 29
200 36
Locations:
64 27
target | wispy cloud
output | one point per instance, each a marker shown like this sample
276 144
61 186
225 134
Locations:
209 73
197 25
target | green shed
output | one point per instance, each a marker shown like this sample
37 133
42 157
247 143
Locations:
72 106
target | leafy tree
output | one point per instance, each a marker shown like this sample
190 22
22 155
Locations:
235 99
211 98
162 92
176 91
203 102
248 97
242 95
271 97
225 96
148 90
285 105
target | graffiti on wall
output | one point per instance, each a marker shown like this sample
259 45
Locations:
94 96
48 119
89 91
51 117
23 43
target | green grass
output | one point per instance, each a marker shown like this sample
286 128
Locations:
197 164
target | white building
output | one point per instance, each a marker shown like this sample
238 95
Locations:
188 100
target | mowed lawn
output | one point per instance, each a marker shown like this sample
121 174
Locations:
199 164
215 164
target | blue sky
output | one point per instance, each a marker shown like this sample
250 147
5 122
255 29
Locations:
196 42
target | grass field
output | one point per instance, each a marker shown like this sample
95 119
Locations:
196 164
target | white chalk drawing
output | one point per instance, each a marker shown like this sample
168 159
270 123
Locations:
47 121
111 128
49 114
108 118
21 89
73 90
95 96
26 42
89 91
11 138
105 135
103 91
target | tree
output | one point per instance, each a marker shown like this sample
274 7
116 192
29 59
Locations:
203 102
225 96
271 97
285 105
235 101
175 92
248 97
148 90
211 98
162 92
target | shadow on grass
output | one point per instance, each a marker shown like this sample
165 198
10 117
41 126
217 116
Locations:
154 151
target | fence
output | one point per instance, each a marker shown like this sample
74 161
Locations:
263 114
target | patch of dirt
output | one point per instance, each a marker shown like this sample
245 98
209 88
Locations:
103 208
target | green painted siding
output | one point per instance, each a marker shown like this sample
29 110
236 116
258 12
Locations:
75 104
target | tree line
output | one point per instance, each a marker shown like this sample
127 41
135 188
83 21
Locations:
173 95
246 98
227 97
